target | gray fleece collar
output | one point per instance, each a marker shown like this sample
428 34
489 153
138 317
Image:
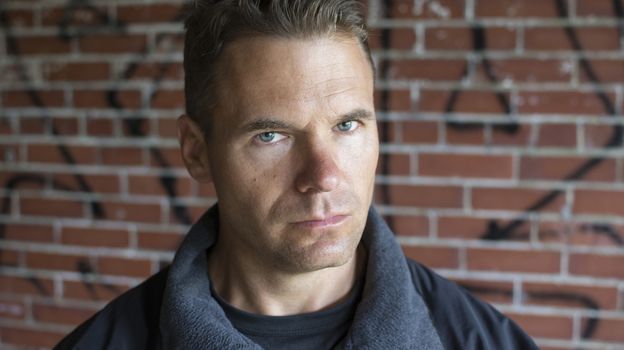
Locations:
391 314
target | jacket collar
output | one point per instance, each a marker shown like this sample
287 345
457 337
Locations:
391 314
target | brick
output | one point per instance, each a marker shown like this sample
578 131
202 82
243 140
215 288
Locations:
442 9
9 257
78 71
600 136
426 196
395 100
399 38
35 45
96 183
516 199
167 241
519 137
100 127
154 185
57 314
526 70
581 234
599 202
112 43
22 98
12 309
544 326
462 227
19 18
424 132
468 166
51 207
166 158
594 8
465 135
42 153
94 237
561 102
65 126
555 39
101 99
30 337
168 127
17 181
92 291
608 329
427 69
434 257
606 71
559 168
448 38
530 261
410 225
30 286
462 38
5 125
77 16
569 295
33 126
136 127
132 212
25 232
489 291
124 267
168 99
515 9
154 70
122 156
607 266
466 101
49 261
149 13
397 164
557 135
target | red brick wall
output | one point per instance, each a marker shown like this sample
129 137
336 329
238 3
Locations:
501 165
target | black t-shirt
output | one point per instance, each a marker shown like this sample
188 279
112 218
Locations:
316 330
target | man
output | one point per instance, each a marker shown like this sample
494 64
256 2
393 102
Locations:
280 119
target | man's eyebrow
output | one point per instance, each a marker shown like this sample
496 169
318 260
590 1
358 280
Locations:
361 114
265 124
274 124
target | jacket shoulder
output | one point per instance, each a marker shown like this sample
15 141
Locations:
130 321
463 321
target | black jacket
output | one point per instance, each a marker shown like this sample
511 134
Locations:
404 305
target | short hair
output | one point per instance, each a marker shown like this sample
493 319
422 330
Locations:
212 24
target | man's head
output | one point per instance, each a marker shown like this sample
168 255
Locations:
213 24
292 146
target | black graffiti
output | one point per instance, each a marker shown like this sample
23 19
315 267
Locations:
66 32
497 232
479 45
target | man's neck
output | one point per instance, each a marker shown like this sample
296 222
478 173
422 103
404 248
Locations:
262 289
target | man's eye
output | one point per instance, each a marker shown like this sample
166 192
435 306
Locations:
270 137
346 126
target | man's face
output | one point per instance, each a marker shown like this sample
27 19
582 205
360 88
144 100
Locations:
293 150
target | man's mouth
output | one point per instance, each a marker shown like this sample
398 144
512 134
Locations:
327 221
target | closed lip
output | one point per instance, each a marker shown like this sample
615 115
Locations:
327 221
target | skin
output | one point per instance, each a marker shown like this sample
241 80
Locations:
292 155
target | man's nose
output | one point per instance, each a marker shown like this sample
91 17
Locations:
319 171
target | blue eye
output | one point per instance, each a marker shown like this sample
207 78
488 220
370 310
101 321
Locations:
348 125
267 136
270 137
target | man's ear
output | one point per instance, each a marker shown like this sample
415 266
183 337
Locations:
194 149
